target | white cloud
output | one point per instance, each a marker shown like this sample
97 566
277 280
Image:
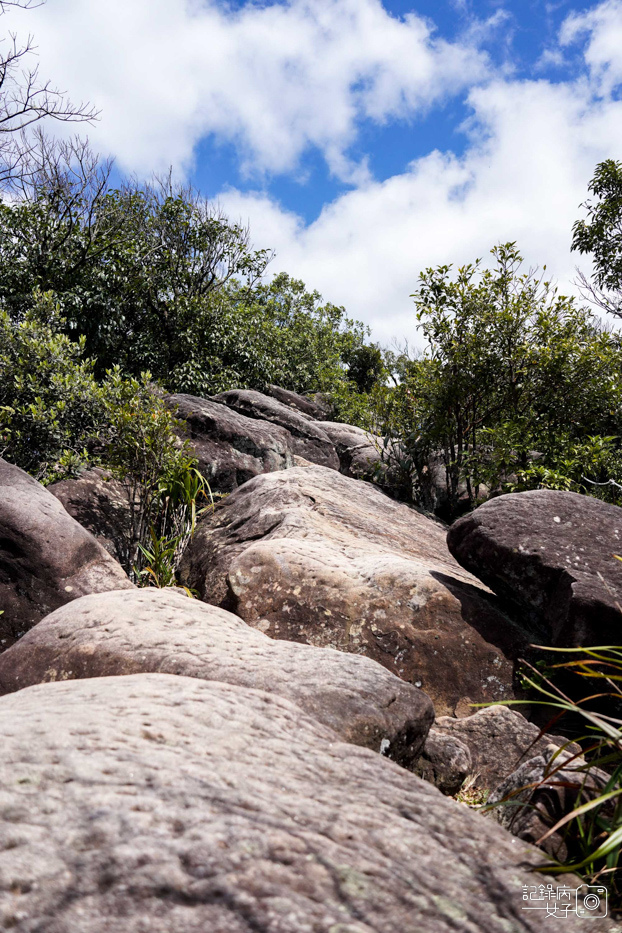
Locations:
275 79
533 146
602 28
279 79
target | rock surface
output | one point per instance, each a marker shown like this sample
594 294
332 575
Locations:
100 504
164 631
445 762
160 803
498 739
358 450
46 557
534 797
308 439
302 403
545 552
230 447
312 556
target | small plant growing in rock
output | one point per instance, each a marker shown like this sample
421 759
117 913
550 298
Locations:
592 829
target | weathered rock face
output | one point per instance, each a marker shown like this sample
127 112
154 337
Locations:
308 439
498 740
100 504
311 407
545 552
309 555
532 799
166 803
358 451
444 761
230 447
46 557
165 631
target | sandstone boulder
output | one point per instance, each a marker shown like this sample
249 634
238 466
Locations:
551 556
312 407
539 793
445 762
160 803
164 631
499 740
358 450
308 439
230 447
46 557
100 504
312 556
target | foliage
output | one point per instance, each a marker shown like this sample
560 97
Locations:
277 333
140 448
56 420
154 278
50 403
601 236
129 267
518 388
592 830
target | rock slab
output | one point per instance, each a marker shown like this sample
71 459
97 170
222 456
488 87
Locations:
164 631
46 557
499 739
155 803
312 556
308 439
551 555
230 447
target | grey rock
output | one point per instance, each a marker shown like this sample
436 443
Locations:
358 450
308 439
498 739
310 555
545 788
161 803
311 407
230 447
445 762
552 556
164 631
46 558
100 504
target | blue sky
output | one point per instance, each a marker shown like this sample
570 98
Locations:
515 35
362 140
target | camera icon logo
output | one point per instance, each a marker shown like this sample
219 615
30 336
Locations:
591 901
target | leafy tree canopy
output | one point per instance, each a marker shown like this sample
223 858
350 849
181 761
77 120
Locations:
601 236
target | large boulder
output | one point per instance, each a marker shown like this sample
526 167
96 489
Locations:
46 557
308 439
159 803
165 631
312 556
230 447
358 450
498 740
551 555
314 408
100 504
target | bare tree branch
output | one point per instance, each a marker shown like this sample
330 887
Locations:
25 100
606 301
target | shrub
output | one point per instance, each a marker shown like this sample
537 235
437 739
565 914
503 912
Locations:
592 830
50 402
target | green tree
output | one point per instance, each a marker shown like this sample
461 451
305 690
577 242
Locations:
50 402
516 386
601 236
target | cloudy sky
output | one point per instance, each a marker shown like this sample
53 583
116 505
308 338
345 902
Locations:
362 140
